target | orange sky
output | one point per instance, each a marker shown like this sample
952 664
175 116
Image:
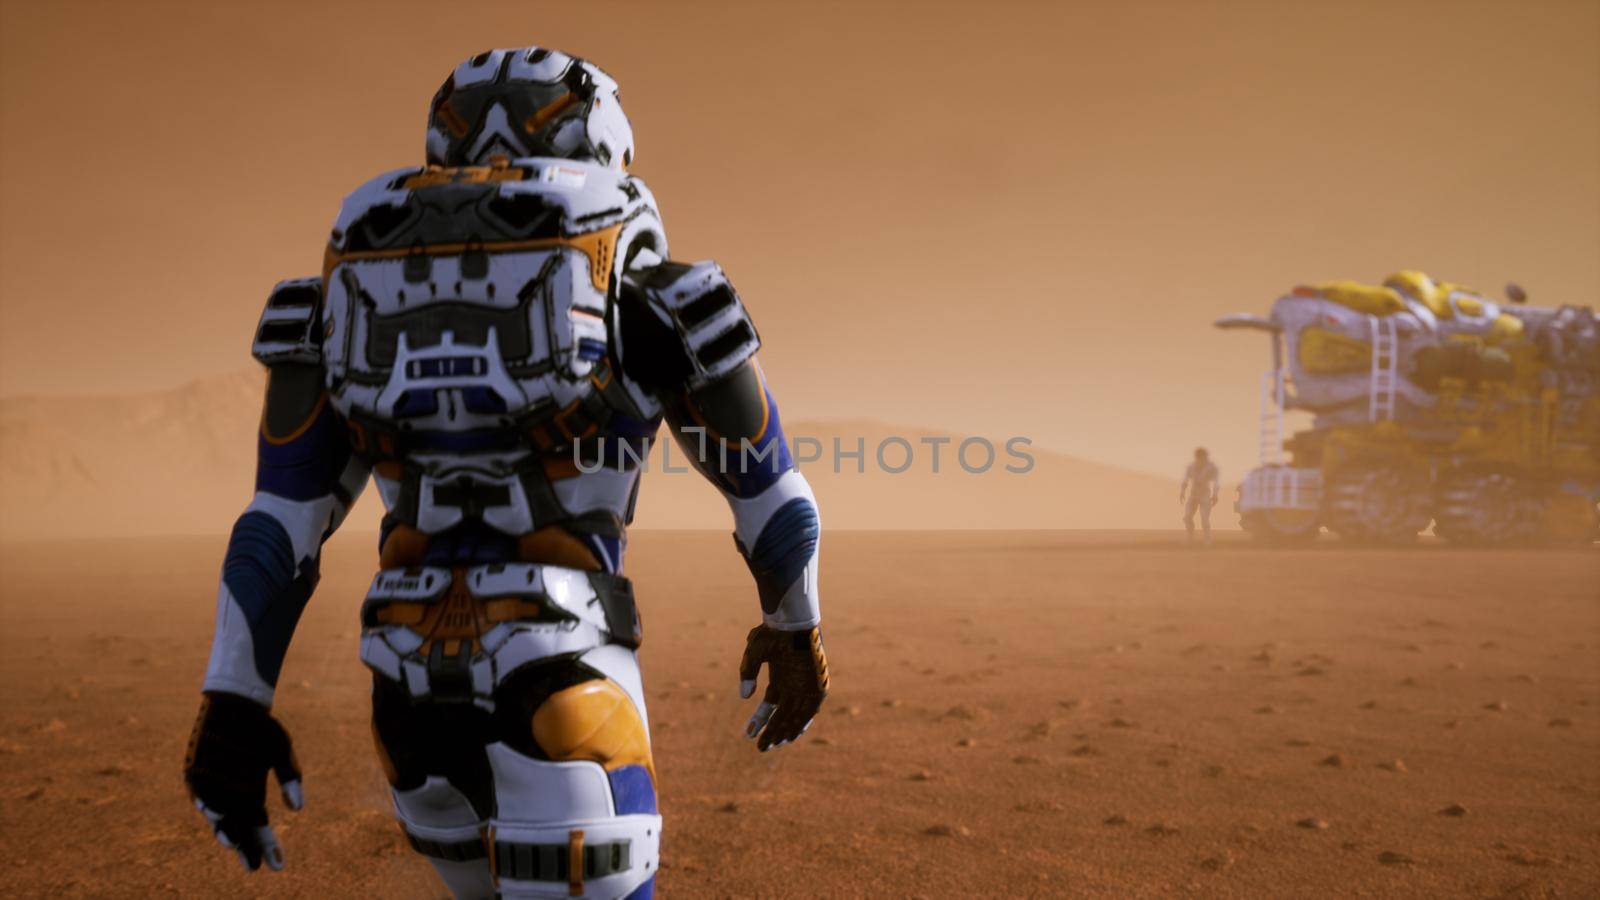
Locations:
991 217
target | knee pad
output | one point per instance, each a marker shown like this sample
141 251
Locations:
572 828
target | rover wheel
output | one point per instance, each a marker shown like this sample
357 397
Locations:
1488 508
1281 526
1378 504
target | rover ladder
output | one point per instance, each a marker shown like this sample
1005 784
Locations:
1385 363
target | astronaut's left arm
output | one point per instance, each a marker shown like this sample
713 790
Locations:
306 480
685 332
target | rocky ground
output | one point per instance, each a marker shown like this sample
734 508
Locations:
1014 714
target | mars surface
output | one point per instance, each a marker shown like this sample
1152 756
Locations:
1013 714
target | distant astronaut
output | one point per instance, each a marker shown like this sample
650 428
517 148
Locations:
1200 485
495 339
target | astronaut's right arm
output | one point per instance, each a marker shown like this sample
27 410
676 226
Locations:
306 480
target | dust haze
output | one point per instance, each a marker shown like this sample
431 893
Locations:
983 220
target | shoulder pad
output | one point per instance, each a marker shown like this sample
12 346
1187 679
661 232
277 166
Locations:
290 329
700 304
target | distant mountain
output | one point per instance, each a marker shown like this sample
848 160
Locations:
180 462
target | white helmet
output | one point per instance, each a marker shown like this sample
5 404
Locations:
528 102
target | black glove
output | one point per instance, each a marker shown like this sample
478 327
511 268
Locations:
797 682
234 742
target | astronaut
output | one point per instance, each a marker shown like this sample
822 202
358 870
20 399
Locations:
494 340
1200 484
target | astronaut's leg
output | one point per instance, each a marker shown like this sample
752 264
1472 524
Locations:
1205 519
1188 517
441 782
574 781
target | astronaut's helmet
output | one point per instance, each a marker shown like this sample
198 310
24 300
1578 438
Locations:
528 102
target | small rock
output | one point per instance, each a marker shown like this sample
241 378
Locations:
1116 819
1455 810
1026 760
961 712
822 742
1310 671
1370 704
1266 710
1314 824
54 726
1041 729
921 775
948 831
1335 760
1393 858
1084 750
112 770
1496 706
1297 742
1120 722
848 711
1161 829
34 794
1219 862
967 742
1394 765
891 703
729 807
1559 722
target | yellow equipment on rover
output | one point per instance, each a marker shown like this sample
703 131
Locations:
1431 403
